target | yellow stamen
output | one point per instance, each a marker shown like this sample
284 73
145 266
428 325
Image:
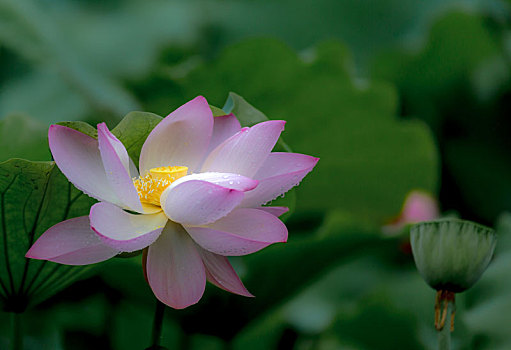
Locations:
151 186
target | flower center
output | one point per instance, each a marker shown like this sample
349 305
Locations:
151 186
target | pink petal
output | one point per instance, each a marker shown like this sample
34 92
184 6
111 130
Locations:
418 206
180 139
220 272
198 202
242 232
117 166
175 270
245 152
232 181
77 156
124 231
275 211
224 127
71 242
278 174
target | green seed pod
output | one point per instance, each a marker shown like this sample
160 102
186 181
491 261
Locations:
451 254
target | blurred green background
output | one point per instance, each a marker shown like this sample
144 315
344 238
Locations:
393 96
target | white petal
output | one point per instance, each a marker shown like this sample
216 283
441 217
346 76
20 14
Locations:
278 174
124 231
71 242
198 202
77 156
243 231
180 139
245 152
220 272
175 270
117 167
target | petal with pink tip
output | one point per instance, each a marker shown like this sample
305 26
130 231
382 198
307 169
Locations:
77 156
124 231
242 232
232 181
220 272
175 270
117 167
245 152
180 139
275 211
419 206
71 242
198 202
224 127
279 173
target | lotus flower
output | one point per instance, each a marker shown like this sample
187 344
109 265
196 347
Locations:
418 206
198 199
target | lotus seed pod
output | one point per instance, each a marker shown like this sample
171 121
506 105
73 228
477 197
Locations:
451 254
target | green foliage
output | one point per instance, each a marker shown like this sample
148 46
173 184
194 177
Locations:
33 197
390 326
337 284
276 265
83 127
489 312
457 45
457 84
22 137
248 115
369 158
132 130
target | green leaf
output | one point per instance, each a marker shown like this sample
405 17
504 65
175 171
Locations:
248 115
133 130
33 197
80 126
217 112
23 137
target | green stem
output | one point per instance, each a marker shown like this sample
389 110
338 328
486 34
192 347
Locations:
157 326
17 337
444 335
